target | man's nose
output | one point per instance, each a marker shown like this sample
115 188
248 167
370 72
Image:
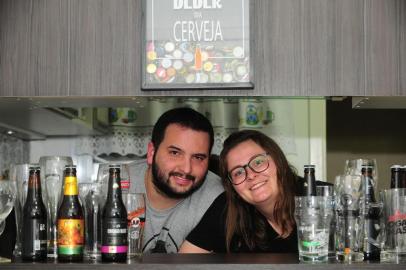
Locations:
186 165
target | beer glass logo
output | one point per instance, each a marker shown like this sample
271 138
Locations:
346 199
134 225
397 222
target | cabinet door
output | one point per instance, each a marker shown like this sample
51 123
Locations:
382 47
34 48
402 48
349 71
309 48
105 47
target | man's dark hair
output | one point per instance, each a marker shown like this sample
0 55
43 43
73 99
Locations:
185 117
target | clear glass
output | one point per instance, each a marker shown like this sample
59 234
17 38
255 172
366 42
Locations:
103 180
329 191
313 216
354 167
135 205
349 218
52 169
89 194
394 229
19 174
7 198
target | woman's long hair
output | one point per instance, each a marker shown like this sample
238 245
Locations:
242 219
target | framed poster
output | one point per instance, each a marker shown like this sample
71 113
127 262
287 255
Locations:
196 44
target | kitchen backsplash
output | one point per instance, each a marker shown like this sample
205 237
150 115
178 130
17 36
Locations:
12 150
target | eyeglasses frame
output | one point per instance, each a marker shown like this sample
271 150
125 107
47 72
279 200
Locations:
245 169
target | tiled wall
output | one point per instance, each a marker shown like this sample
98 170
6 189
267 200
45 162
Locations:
12 150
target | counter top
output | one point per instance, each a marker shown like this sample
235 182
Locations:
206 261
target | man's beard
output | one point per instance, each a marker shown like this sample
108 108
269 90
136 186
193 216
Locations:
163 185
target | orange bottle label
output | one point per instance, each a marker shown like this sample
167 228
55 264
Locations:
71 236
71 186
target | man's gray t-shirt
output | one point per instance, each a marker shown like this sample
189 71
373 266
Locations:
171 226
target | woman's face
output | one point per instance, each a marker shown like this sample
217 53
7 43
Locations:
258 188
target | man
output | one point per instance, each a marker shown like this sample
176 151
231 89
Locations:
175 177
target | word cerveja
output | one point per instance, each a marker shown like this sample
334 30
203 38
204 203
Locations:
184 31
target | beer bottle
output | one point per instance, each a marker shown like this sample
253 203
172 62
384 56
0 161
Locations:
70 218
396 176
372 213
403 177
114 221
310 180
34 230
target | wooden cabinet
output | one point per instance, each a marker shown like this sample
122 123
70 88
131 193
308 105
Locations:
300 48
402 47
105 47
382 47
349 61
34 48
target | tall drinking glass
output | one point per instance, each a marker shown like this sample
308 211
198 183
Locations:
349 218
89 194
329 191
394 223
103 180
19 174
135 205
354 167
7 198
52 168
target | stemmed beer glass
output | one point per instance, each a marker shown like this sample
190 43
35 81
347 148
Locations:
19 174
52 168
7 197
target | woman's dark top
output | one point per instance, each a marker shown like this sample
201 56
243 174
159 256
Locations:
210 233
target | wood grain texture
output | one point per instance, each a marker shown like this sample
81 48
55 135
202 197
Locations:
105 47
349 69
299 48
15 69
402 47
381 47
34 48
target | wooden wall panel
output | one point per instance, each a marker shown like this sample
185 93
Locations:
381 47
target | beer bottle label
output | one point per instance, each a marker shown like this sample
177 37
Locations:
114 238
35 237
71 236
71 186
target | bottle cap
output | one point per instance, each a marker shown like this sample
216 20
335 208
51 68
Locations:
34 167
115 166
396 167
309 166
70 166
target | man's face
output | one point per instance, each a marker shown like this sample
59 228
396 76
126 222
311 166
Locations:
180 163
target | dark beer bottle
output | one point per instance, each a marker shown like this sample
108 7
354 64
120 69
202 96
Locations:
70 220
372 215
396 176
114 221
310 180
403 177
34 229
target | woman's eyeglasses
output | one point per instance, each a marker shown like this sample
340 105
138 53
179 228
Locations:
258 163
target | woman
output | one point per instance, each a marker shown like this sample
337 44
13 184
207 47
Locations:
255 214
